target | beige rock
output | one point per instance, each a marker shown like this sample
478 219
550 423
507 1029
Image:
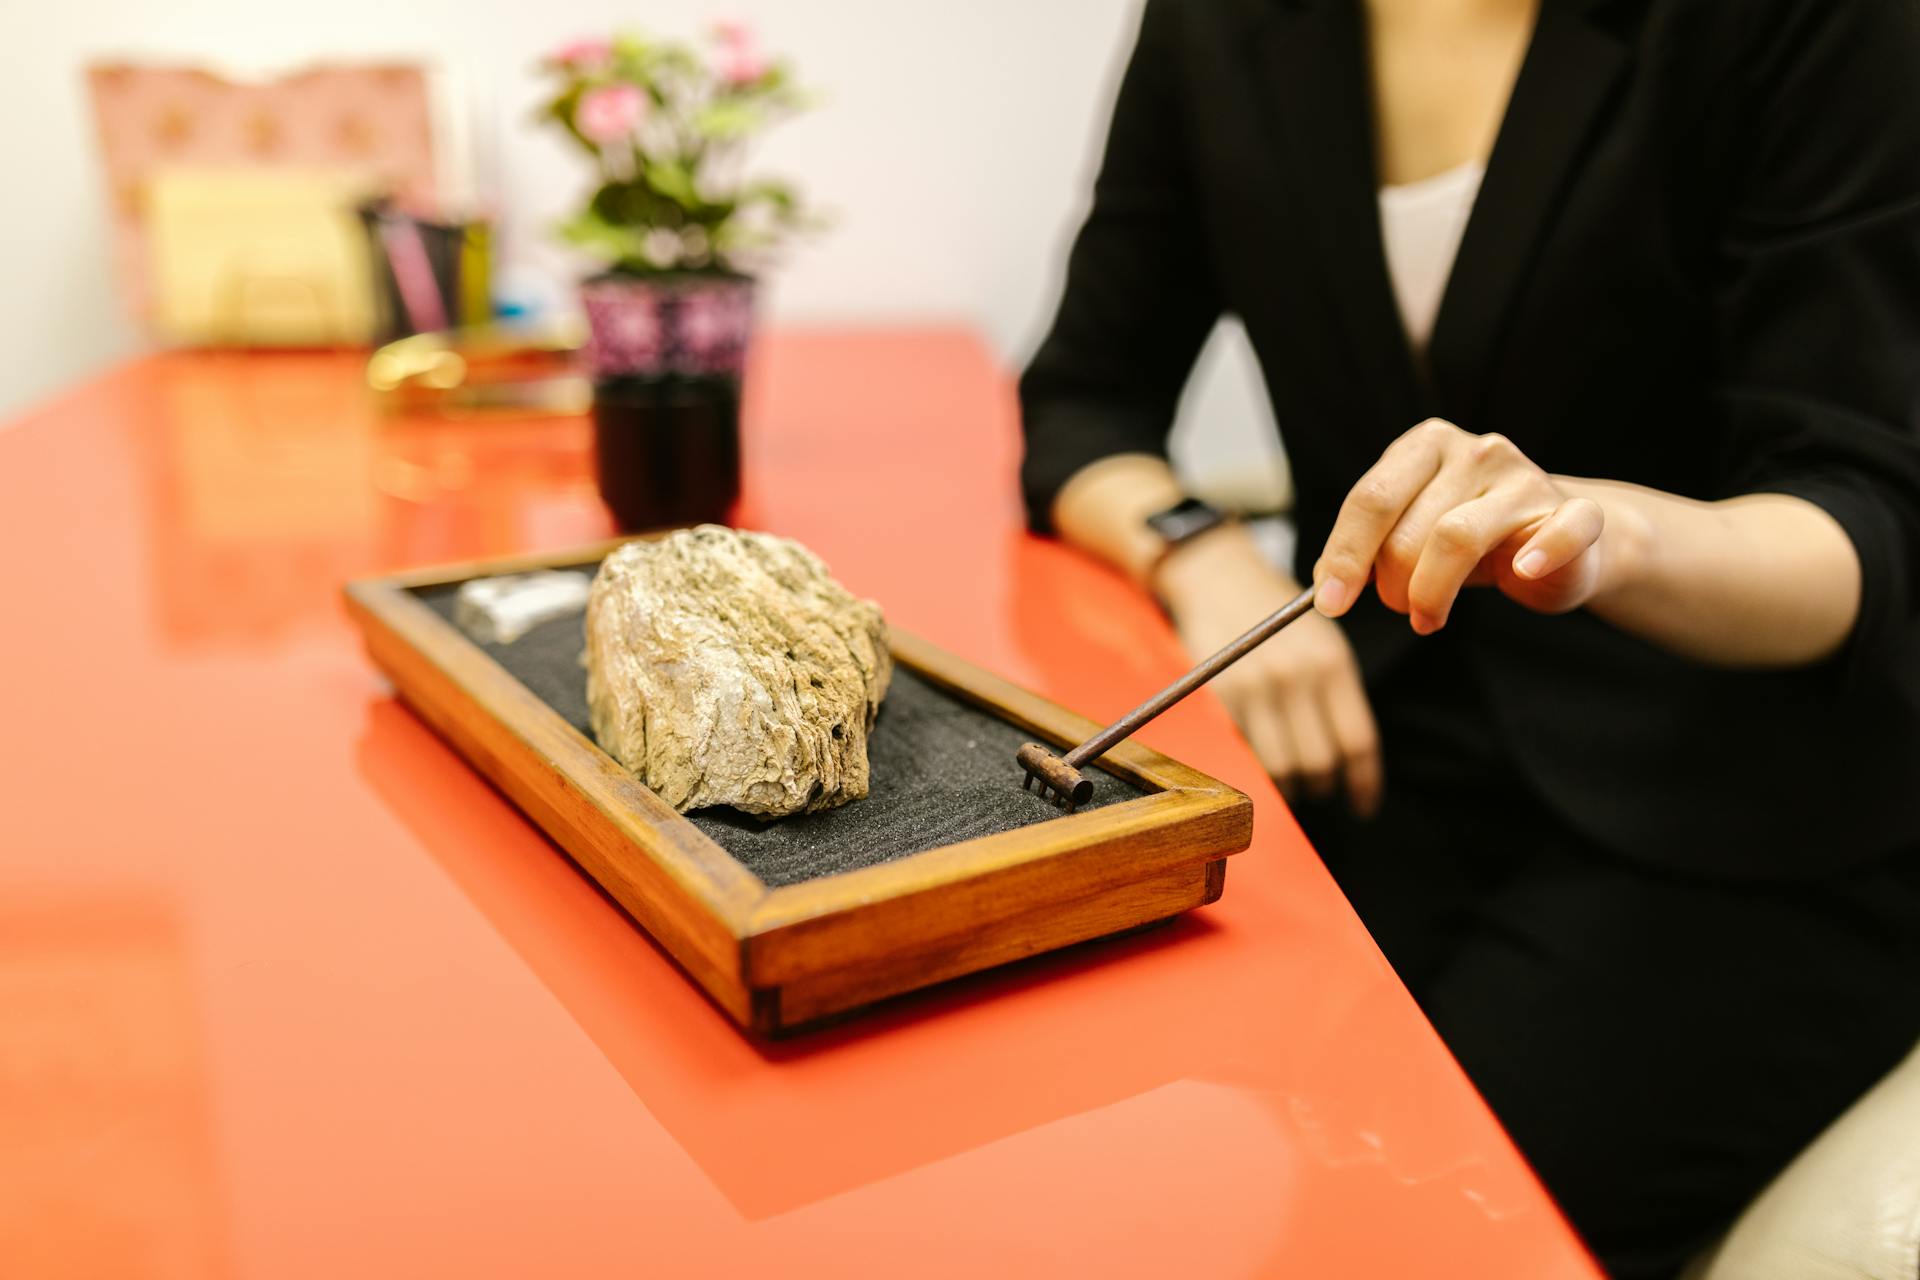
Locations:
730 668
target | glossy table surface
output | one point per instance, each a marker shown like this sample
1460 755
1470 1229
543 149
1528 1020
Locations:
286 990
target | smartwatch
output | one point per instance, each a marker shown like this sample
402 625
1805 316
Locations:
1184 521
1180 524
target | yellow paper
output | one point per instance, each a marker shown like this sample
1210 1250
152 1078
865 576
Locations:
260 257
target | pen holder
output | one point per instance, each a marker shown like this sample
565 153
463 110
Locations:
429 276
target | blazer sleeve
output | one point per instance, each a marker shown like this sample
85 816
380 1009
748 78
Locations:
1818 289
1139 297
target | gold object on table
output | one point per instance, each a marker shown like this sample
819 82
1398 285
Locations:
483 368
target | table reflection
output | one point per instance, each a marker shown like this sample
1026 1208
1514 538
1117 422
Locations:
111 1167
273 478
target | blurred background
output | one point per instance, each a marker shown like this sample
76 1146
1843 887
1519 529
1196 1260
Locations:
953 159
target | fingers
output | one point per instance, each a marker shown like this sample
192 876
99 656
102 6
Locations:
1287 728
1465 544
1393 570
1302 706
1314 735
1574 526
1314 755
1443 509
1371 510
1358 739
1453 550
1259 719
1471 468
1331 732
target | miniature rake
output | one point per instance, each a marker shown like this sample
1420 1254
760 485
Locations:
1060 778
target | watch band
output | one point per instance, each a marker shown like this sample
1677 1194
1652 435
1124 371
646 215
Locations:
1178 525
1184 521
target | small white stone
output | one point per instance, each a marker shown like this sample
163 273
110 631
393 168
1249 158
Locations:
501 610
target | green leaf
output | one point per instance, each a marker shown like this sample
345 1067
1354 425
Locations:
603 239
778 194
671 179
677 58
635 204
631 54
727 118
561 111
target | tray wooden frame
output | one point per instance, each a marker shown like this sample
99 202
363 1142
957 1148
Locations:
775 959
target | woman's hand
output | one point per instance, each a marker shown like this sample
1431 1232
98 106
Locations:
1444 509
1298 697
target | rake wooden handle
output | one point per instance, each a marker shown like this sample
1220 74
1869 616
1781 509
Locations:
1132 722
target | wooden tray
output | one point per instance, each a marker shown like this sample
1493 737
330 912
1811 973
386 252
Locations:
775 958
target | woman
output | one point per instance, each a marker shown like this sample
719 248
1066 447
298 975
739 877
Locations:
1593 327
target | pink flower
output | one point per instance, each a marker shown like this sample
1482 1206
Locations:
740 61
743 67
610 113
583 53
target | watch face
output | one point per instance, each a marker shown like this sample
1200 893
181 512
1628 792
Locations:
1187 520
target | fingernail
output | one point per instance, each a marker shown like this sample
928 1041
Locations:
1332 595
1531 565
1423 624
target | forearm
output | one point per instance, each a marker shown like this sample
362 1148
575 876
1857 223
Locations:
1104 507
1766 580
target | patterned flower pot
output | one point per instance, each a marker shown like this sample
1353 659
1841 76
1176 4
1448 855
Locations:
666 354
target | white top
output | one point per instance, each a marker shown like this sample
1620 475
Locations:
1420 226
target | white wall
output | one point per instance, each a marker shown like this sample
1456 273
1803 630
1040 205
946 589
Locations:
955 147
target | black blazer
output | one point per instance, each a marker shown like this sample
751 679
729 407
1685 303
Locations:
1694 264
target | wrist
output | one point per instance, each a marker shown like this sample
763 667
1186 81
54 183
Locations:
1104 508
1209 565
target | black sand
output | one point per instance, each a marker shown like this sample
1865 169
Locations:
942 771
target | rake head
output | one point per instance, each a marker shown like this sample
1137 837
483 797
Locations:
1059 781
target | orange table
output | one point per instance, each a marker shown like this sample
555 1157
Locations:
286 990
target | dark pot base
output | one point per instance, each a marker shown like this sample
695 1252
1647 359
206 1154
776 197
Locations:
667 450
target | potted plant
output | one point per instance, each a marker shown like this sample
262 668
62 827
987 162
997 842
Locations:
679 226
